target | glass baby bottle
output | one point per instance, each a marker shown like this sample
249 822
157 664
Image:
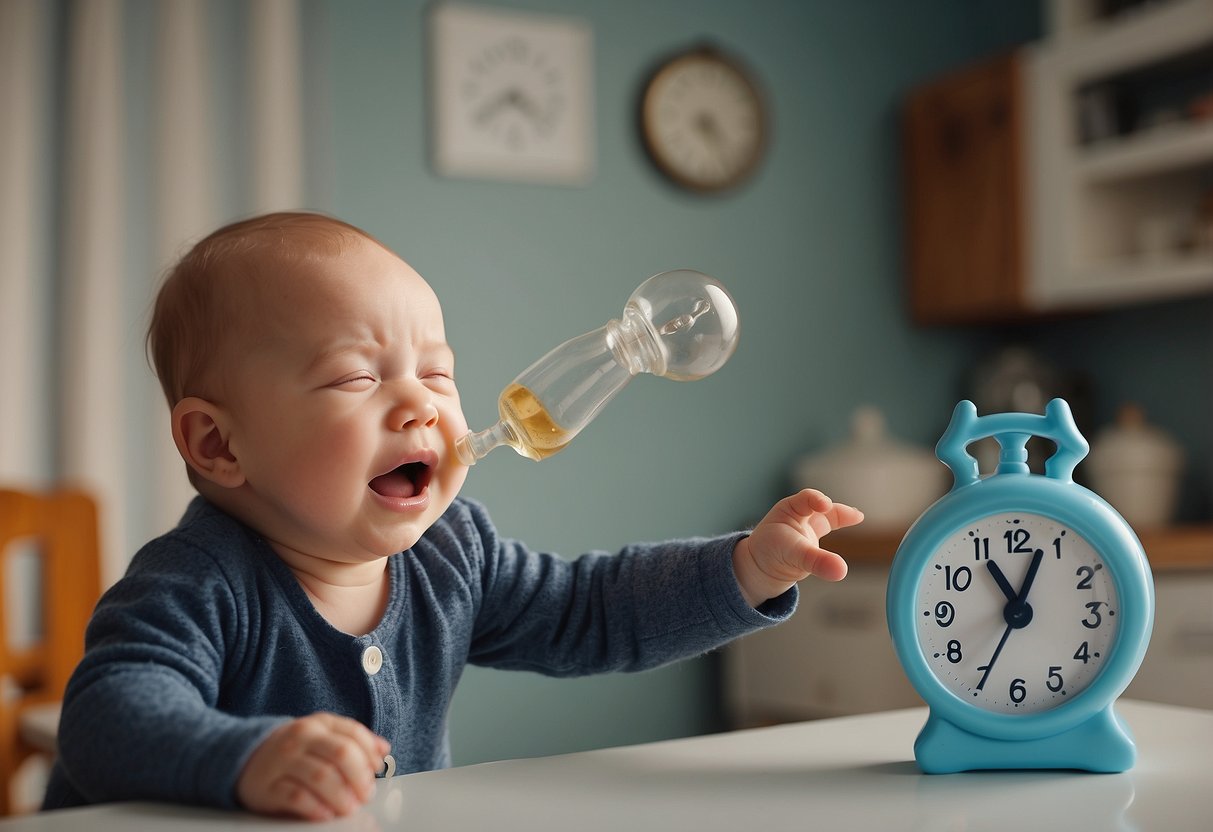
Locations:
680 325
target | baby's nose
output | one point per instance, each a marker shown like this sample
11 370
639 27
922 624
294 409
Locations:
413 408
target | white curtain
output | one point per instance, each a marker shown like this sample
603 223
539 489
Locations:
116 152
24 403
23 140
90 406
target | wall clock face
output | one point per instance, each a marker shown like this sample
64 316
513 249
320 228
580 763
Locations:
703 121
1017 613
511 95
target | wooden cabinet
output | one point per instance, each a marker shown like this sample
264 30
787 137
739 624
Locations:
1073 174
964 197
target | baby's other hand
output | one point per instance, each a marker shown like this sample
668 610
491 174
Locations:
783 548
316 767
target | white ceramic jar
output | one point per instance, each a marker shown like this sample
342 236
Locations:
892 482
1136 467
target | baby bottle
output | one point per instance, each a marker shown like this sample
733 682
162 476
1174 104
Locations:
680 325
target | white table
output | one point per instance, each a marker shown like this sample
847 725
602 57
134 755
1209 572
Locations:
849 773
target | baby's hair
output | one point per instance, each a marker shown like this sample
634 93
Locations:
194 308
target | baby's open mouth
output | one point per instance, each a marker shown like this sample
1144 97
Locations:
407 480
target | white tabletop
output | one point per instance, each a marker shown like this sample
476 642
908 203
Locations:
848 773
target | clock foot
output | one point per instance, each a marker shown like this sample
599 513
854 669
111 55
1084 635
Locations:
1102 743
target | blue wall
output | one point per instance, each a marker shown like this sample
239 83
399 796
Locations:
810 250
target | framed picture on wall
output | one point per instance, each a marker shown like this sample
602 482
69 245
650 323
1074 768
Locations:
511 95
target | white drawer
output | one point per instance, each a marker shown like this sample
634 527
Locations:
1178 667
833 657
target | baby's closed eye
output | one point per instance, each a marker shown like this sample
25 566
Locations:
358 381
440 378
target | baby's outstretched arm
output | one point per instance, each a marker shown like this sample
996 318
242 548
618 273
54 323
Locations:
784 547
316 767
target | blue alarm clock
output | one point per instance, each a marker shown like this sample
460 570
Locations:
1020 606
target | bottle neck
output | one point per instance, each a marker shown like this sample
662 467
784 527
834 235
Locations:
634 344
474 446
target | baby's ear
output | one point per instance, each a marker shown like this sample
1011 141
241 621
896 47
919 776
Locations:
200 430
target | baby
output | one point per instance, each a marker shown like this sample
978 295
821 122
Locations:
302 630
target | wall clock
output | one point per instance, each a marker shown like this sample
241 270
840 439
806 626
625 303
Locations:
703 120
1020 606
511 95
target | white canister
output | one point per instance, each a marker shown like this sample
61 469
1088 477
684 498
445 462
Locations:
1136 467
892 482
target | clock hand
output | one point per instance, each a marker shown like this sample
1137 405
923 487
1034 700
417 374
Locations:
526 105
488 110
1022 597
988 667
1017 612
512 98
1002 581
708 127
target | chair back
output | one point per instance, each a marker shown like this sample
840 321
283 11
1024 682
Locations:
60 529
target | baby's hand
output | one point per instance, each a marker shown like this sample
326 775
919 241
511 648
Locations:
783 548
316 767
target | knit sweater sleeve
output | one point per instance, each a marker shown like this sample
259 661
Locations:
647 605
141 716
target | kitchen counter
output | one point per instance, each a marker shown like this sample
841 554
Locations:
847 773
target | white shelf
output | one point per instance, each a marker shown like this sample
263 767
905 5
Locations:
1098 49
1092 207
1161 150
1128 280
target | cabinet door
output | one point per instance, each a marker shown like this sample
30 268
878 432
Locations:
833 658
964 195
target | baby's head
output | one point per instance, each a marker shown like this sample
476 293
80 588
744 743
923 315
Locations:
311 385
207 300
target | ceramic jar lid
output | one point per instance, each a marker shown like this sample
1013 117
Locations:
891 481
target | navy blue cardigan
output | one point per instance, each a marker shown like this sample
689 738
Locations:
209 643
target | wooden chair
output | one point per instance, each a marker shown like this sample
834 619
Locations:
60 528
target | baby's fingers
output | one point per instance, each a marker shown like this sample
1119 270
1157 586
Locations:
325 776
354 751
291 796
370 745
826 565
842 515
808 501
811 503
337 771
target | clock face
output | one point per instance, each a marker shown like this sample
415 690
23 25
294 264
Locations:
515 93
1016 613
703 121
512 95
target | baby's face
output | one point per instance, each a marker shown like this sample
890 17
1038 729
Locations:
344 407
